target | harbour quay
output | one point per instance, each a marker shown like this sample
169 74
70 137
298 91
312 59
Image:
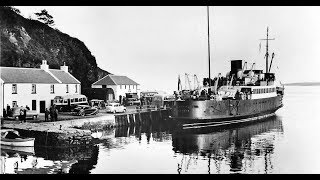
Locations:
76 130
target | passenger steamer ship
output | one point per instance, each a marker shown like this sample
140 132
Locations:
242 95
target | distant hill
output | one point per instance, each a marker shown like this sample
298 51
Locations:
303 84
26 42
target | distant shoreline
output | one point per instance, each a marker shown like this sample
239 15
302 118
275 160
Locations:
303 84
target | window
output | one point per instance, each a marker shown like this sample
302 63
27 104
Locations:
71 100
125 86
33 89
76 100
76 88
14 104
120 86
67 88
34 105
52 88
14 88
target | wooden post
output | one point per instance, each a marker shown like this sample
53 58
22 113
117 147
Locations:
151 119
116 121
134 119
128 119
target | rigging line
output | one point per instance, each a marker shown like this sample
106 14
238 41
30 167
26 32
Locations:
209 44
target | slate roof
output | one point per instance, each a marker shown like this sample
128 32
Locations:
65 78
115 80
25 75
35 75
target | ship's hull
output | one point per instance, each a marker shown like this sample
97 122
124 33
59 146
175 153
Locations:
197 113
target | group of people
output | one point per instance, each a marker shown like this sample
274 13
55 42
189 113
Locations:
22 113
52 112
7 112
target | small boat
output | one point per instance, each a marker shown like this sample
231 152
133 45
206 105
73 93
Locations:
11 137
22 150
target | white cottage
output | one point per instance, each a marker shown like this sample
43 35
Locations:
35 87
120 85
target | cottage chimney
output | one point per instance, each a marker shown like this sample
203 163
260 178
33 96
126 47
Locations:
64 67
44 65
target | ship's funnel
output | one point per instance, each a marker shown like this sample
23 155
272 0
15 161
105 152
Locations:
236 65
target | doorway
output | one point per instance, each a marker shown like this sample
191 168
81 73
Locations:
42 106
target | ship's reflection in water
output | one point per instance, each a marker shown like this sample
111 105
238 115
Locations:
157 148
239 149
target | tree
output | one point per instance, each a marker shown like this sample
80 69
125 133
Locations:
16 10
45 17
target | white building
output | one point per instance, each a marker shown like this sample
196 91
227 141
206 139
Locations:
35 87
120 85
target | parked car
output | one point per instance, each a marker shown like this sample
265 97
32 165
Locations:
15 112
115 107
100 104
133 101
83 110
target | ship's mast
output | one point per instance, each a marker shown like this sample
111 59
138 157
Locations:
267 52
209 45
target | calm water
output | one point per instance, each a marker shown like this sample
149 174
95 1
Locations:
286 143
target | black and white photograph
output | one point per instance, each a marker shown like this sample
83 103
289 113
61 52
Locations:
160 89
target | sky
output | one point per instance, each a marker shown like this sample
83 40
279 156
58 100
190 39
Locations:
153 45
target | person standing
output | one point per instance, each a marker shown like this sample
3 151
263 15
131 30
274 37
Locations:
46 115
21 115
51 113
24 115
55 114
8 110
4 113
120 99
124 101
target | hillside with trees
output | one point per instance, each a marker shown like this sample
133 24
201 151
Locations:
25 42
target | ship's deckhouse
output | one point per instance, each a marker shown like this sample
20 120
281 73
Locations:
259 92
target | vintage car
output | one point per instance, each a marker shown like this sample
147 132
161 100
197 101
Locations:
133 101
83 110
15 112
115 107
100 104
